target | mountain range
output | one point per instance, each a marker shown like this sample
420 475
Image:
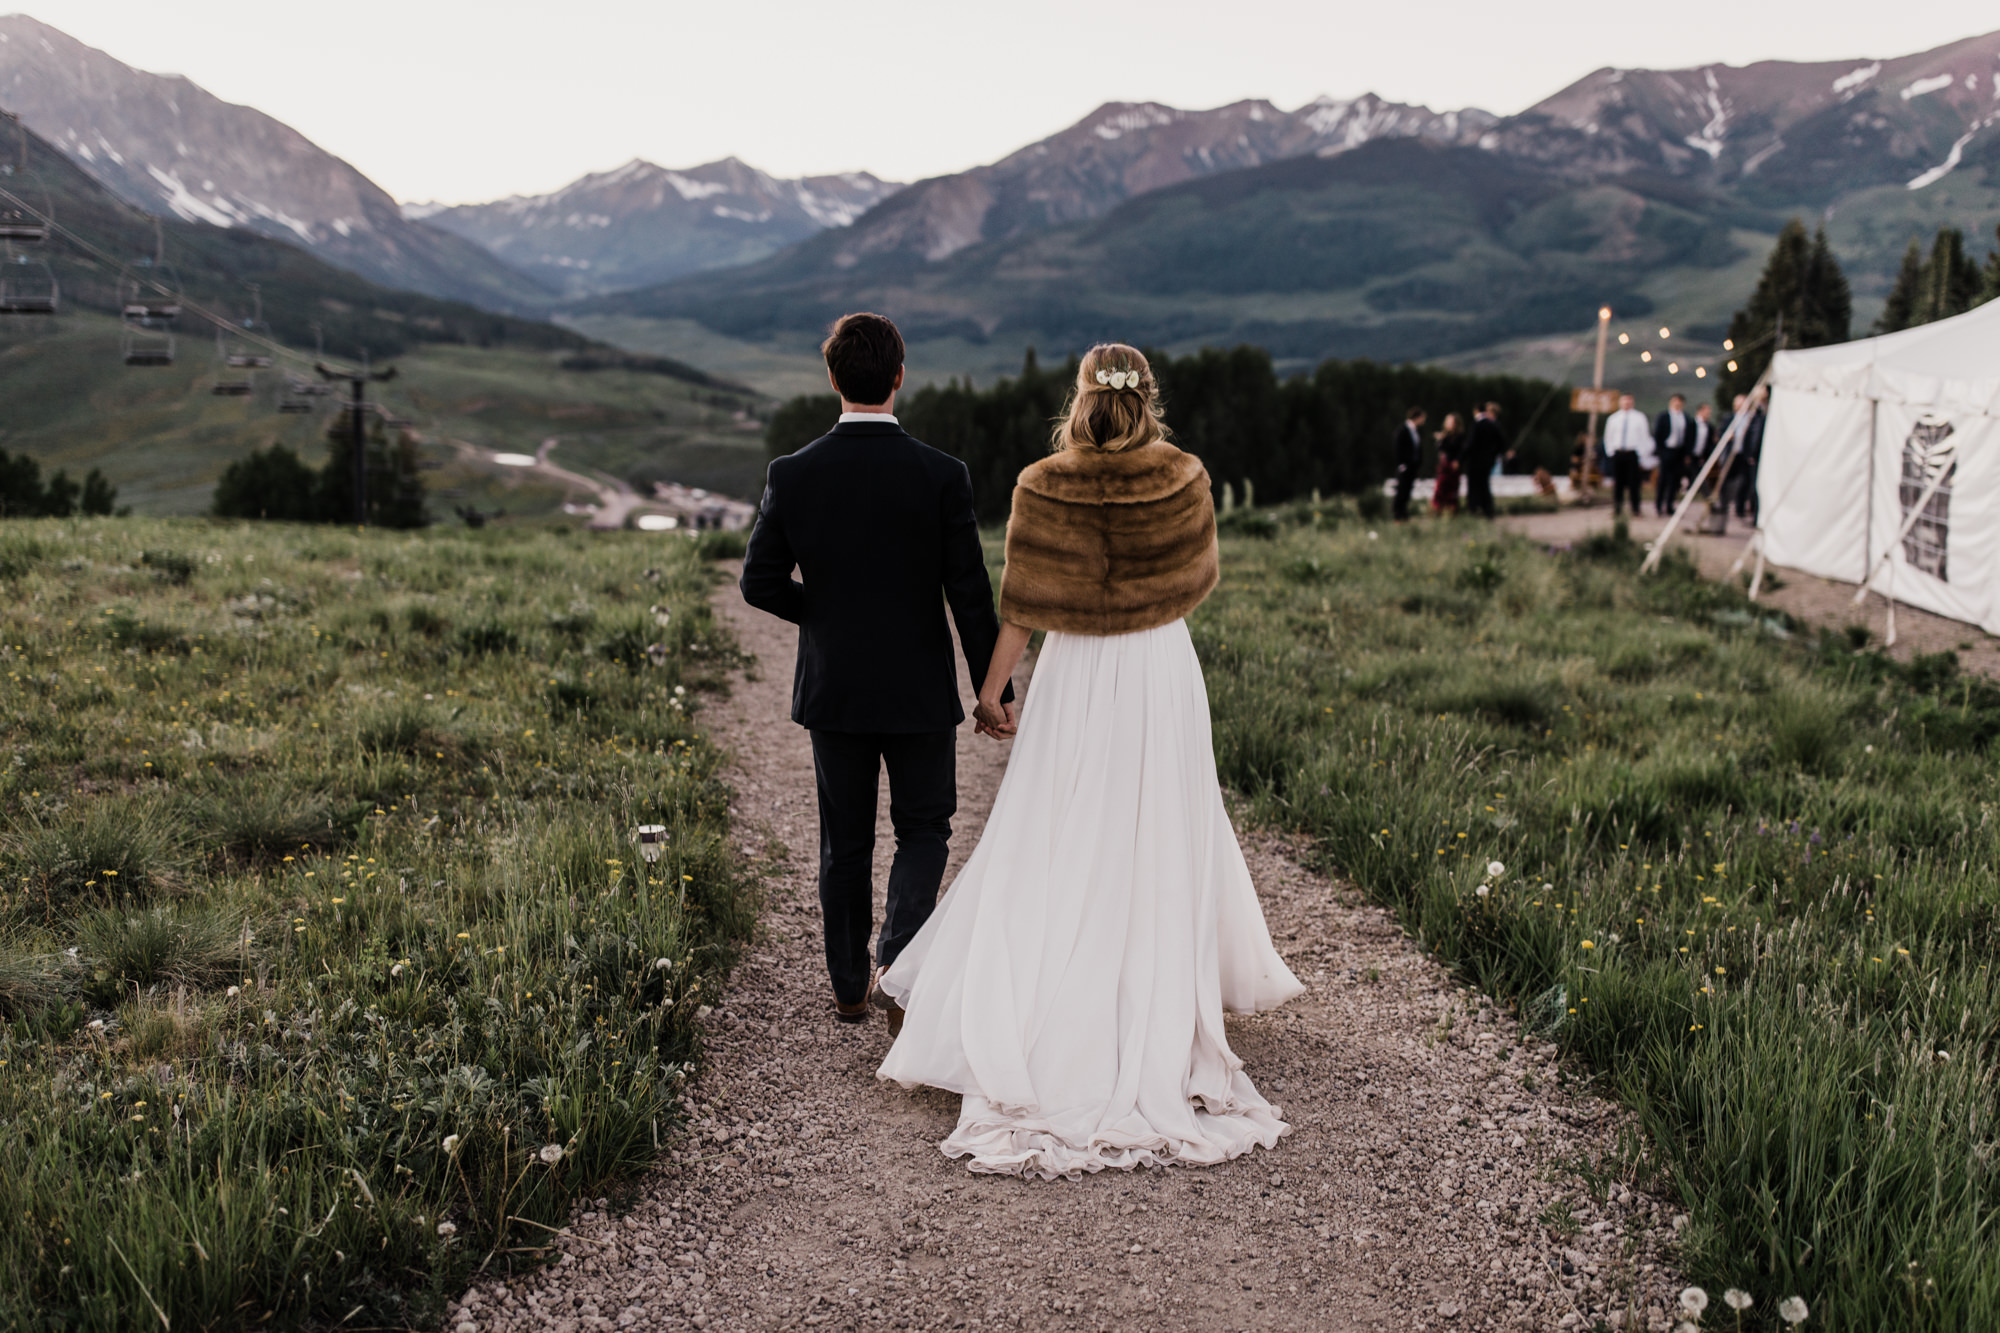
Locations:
643 224
1396 232
1355 227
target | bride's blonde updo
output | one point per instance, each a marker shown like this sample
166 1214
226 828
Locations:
1115 404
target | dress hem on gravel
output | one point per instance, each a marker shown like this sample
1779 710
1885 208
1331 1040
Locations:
1072 982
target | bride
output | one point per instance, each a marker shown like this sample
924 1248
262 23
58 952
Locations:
1072 982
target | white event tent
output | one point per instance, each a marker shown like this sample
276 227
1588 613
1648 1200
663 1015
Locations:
1881 461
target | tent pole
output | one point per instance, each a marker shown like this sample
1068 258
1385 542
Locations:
1736 430
1757 574
1868 521
1909 524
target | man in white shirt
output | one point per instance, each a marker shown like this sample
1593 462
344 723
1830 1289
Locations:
1628 442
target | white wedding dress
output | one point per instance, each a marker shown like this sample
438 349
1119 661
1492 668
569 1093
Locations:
1072 982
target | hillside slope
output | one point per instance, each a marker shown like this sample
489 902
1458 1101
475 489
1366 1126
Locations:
466 374
170 147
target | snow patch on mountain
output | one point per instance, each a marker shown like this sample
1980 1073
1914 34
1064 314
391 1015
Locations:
1923 87
1853 79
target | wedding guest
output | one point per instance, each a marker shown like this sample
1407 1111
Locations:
1670 443
1409 457
1451 459
1627 441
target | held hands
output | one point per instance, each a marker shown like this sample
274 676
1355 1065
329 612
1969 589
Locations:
992 718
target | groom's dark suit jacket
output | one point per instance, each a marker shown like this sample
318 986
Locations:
881 526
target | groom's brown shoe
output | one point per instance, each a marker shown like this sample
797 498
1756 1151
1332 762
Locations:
881 1000
850 1013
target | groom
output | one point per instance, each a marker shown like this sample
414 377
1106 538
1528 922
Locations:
879 525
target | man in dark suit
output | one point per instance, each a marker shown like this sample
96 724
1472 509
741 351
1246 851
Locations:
1671 439
1485 447
1409 460
882 529
1750 451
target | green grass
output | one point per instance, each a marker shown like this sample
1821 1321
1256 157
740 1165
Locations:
328 976
163 438
1749 873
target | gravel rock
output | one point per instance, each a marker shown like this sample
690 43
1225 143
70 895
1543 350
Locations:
1426 1184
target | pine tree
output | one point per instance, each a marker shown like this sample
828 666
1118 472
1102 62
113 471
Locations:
1989 277
1826 305
1948 282
1900 310
1951 279
1803 289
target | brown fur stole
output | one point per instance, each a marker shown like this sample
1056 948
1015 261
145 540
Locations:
1109 543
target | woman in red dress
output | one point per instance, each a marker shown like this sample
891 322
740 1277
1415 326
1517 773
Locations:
1451 460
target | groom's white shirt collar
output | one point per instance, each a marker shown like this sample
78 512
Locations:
889 417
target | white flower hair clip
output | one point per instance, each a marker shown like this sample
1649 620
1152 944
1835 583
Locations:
1119 379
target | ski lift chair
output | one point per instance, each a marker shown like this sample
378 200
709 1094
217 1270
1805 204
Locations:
141 346
296 399
28 287
17 226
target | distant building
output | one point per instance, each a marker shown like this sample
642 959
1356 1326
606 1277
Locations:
701 510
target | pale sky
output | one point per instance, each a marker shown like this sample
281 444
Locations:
461 101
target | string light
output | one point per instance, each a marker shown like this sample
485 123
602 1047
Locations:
1732 367
1728 344
1673 367
1701 372
1665 332
1624 338
1645 356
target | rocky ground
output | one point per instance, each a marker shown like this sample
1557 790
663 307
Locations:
1443 1170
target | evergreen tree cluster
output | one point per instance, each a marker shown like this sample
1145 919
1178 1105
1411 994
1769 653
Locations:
1936 286
23 493
277 484
1331 430
1802 295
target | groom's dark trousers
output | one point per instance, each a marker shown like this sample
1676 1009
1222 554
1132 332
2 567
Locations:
881 528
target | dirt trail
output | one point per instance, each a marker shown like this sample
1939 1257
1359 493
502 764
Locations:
1427 1158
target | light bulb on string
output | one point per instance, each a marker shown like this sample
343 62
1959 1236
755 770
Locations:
1732 367
1624 338
1701 372
1645 356
1728 344
1673 367
1665 332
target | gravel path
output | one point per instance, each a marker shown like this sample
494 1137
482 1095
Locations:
1429 1155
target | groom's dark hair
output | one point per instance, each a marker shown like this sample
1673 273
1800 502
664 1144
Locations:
863 352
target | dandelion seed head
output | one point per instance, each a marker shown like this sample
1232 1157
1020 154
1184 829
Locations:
447 1229
551 1153
1694 1300
1495 870
1737 1299
1793 1310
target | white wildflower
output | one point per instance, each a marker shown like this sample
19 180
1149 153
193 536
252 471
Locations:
1495 870
662 964
1793 1310
1737 1299
1483 890
451 1143
233 992
1694 1300
447 1229
551 1153
396 971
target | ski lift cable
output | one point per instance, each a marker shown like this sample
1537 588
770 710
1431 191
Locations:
220 321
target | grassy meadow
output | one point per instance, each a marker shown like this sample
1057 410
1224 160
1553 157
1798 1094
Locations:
328 972
1749 873
163 438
